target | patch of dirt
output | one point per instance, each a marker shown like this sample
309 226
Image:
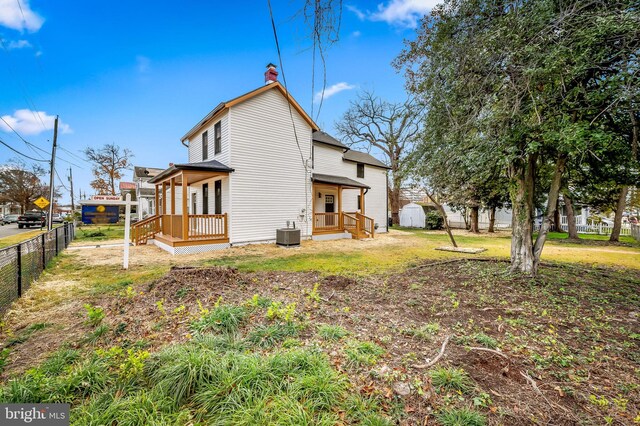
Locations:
570 332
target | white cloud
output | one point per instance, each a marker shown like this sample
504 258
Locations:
143 64
17 15
402 13
332 90
27 122
356 34
360 14
18 44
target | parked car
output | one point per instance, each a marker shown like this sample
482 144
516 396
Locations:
57 218
11 218
30 219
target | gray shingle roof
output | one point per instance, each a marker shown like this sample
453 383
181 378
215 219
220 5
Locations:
145 172
322 137
363 157
337 180
205 166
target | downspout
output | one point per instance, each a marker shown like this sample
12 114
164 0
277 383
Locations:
386 225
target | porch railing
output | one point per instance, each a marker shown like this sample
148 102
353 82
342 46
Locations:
145 229
200 227
207 226
327 222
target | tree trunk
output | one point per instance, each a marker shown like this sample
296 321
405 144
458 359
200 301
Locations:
443 214
523 176
556 218
474 220
394 198
571 217
617 221
552 206
492 219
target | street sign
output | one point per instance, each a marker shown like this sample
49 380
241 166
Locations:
41 202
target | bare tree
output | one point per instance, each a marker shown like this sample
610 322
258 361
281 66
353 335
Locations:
21 185
391 128
109 162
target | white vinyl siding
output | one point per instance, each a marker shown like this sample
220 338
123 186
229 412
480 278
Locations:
329 161
268 184
195 143
197 189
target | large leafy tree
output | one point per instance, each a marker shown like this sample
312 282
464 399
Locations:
109 162
525 83
22 185
388 128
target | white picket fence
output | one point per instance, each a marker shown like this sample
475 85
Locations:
600 228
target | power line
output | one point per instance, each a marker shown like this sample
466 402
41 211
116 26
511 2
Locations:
22 154
72 154
29 144
60 179
69 162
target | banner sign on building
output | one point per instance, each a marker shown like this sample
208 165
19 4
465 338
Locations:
100 214
106 197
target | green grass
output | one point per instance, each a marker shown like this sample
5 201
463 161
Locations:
331 332
225 318
425 332
18 238
451 379
211 379
461 417
99 232
360 354
266 336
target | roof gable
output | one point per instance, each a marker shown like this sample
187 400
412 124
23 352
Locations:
363 157
224 106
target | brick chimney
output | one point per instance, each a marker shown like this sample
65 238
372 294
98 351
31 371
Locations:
270 75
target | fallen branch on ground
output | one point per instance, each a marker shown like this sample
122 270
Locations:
493 351
437 358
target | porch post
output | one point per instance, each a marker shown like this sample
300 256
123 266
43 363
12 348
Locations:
340 219
313 208
157 206
164 198
173 203
185 213
361 200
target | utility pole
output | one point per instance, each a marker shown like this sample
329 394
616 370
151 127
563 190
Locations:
53 166
73 204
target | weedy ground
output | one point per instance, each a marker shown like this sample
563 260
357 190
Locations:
295 339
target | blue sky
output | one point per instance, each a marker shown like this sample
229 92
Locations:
140 74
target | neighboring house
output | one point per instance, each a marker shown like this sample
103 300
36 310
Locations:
9 208
256 163
145 191
127 188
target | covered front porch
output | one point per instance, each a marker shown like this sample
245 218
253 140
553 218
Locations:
176 224
339 207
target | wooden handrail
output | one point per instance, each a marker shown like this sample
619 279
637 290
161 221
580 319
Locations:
208 226
143 230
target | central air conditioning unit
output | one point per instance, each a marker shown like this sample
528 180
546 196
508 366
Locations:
288 237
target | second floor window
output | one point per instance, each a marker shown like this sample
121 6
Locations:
360 170
217 129
205 145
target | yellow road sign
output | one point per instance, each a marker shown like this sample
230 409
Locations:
41 202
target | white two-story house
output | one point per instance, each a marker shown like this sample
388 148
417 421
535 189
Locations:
256 163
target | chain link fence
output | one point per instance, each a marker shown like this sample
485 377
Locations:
23 263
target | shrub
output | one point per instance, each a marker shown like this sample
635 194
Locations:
95 314
277 311
433 220
451 379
